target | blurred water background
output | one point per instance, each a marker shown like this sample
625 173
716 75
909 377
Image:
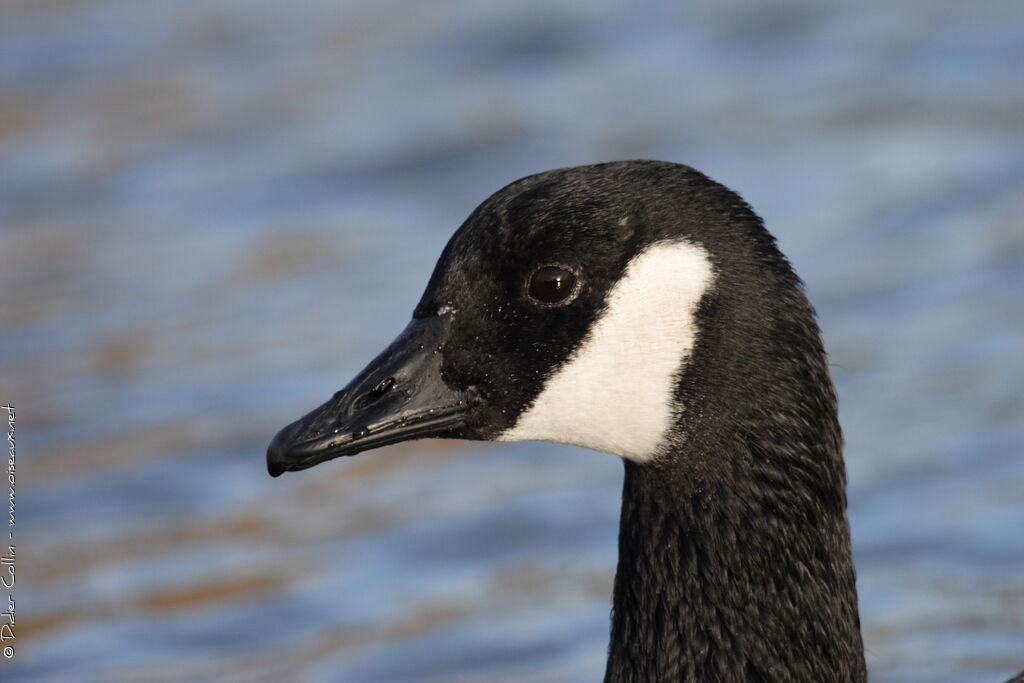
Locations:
214 212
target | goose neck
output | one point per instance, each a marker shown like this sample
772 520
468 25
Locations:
722 578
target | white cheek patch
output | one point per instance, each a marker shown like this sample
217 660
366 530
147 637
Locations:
615 392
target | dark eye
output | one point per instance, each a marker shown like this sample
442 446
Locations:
552 284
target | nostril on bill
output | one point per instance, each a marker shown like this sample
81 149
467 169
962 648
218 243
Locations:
374 395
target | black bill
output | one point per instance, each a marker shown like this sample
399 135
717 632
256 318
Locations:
398 397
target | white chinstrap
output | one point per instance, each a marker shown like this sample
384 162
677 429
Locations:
615 392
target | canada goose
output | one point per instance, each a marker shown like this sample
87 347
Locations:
641 309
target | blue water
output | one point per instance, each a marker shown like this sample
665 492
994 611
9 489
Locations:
214 213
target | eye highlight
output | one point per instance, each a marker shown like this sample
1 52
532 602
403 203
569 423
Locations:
552 285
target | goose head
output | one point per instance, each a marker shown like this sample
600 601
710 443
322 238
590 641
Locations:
567 308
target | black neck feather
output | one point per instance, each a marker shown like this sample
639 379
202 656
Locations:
721 584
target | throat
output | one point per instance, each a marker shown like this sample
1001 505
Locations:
727 581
